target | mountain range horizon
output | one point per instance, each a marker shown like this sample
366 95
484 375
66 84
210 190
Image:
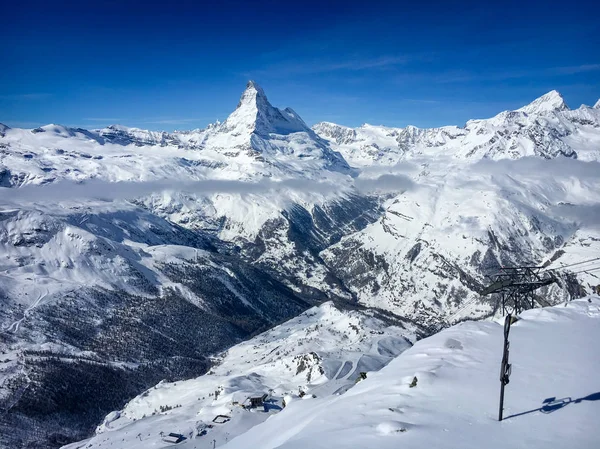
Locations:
552 96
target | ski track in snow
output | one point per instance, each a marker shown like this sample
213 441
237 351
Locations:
14 327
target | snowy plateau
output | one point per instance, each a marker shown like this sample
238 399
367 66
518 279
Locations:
152 282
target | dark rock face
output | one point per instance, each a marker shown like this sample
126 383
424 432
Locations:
357 267
6 178
309 233
412 254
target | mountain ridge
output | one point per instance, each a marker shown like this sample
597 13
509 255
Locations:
545 127
549 102
552 100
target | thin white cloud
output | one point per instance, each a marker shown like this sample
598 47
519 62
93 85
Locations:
174 121
535 167
458 76
95 119
387 183
576 69
27 96
325 66
109 191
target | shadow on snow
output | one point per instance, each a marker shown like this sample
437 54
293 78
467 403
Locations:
552 404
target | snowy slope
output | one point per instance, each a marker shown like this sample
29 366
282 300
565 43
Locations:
320 353
100 301
551 400
454 402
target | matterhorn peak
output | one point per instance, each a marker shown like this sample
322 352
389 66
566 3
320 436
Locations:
597 105
253 95
550 102
254 114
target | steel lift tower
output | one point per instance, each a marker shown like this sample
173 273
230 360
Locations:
516 285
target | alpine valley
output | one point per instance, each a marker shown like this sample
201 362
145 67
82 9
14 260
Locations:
260 254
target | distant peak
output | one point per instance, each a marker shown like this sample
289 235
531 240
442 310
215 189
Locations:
253 95
552 101
116 127
254 85
255 114
323 125
597 105
553 95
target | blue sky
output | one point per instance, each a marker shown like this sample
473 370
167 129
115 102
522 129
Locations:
184 64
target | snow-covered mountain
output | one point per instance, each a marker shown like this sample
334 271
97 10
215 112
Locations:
441 392
546 127
320 353
482 199
177 245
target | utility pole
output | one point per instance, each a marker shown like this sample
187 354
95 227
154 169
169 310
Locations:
505 367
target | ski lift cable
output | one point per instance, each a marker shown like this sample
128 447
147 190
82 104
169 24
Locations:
576 263
579 270
463 307
586 266
587 270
